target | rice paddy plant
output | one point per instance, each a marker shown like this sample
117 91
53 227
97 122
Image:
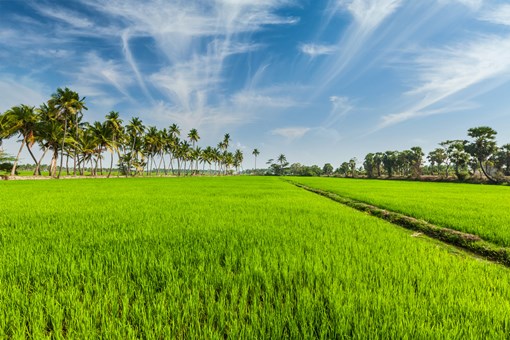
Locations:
228 258
476 209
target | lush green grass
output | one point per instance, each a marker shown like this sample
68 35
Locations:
478 209
228 257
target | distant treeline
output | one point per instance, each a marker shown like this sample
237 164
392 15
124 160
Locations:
478 158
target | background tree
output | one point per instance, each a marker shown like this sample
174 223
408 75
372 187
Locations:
344 169
503 159
416 159
458 156
352 166
437 157
389 161
483 147
327 169
369 164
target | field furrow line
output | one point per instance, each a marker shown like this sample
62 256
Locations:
469 242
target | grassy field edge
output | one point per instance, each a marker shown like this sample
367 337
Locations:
470 242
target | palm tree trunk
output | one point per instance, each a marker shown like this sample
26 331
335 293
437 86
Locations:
31 154
159 166
486 173
111 165
53 167
37 171
97 163
62 149
13 171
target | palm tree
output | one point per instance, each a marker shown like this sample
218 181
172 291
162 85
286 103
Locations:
183 156
114 124
216 157
174 130
255 153
173 143
282 160
49 135
226 140
197 155
238 159
3 127
68 105
21 120
102 134
228 160
135 130
152 144
193 138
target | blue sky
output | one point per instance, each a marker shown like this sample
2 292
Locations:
320 81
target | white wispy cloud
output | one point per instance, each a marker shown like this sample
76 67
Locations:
196 37
241 108
314 50
472 4
448 72
97 70
257 100
132 63
369 14
291 132
68 17
24 90
498 15
340 106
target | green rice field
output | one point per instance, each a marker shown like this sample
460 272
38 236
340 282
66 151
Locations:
482 210
232 257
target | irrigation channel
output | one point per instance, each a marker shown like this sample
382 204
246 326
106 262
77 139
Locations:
469 242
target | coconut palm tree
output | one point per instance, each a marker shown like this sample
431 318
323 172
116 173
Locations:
255 153
135 130
103 135
238 159
21 120
216 157
68 105
3 127
226 140
114 124
49 136
193 138
282 160
152 143
174 130
183 156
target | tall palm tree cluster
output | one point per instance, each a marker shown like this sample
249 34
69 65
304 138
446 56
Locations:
57 127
